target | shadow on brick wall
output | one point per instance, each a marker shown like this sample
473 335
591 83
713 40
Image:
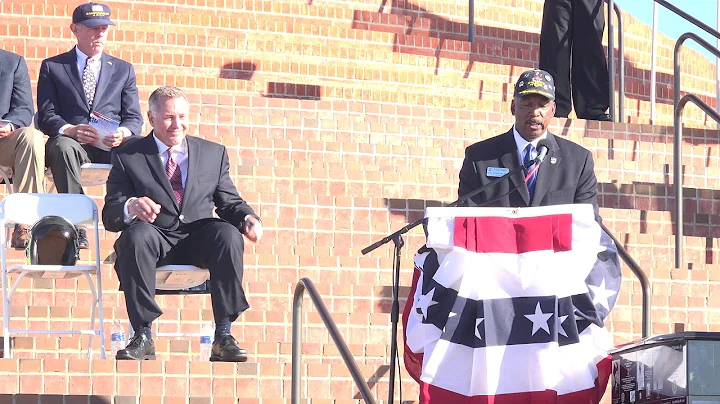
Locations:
701 209
374 379
293 91
65 399
238 70
419 32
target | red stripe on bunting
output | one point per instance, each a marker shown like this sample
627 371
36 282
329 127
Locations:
433 394
514 235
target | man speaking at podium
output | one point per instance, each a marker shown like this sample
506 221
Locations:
508 305
566 175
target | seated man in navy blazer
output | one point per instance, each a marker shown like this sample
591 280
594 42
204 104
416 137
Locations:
160 193
21 147
72 86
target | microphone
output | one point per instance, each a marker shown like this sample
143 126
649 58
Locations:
542 151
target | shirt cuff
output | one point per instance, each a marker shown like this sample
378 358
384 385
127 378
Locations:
126 211
245 219
62 128
126 132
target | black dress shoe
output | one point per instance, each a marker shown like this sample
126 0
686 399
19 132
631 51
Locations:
601 117
140 348
226 349
604 117
82 239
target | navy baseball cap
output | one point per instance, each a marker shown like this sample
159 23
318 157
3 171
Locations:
92 15
535 81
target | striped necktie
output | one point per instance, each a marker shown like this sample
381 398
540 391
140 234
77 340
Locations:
175 176
529 157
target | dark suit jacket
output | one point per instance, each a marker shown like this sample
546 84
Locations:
61 99
16 104
566 175
138 171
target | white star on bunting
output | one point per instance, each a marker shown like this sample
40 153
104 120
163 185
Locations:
424 302
477 327
602 294
561 330
539 320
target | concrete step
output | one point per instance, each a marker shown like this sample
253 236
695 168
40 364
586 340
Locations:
187 381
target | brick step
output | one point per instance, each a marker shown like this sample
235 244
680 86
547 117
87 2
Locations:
317 347
188 379
262 294
254 327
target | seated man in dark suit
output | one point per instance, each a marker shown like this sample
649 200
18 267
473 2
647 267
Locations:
21 147
160 194
75 84
567 174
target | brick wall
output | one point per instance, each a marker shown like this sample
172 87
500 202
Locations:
343 121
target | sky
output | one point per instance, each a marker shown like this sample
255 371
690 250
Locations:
673 25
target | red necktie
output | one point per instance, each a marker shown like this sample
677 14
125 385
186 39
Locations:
174 175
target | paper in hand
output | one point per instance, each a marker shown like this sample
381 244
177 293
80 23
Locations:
105 127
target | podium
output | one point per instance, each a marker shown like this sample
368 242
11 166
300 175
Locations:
680 368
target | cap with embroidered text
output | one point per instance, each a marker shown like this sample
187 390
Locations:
535 81
92 15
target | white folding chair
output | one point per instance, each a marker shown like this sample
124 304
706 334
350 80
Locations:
27 209
92 174
178 277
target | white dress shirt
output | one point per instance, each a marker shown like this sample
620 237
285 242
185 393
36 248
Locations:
522 144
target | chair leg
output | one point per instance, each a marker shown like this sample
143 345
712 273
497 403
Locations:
6 313
92 315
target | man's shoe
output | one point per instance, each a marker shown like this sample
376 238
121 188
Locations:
20 237
140 348
82 239
604 117
225 349
601 117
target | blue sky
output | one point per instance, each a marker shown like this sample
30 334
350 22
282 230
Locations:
672 25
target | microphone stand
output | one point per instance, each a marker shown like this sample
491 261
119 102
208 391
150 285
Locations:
398 241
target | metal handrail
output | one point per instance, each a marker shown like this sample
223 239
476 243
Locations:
644 284
688 18
611 61
679 104
303 285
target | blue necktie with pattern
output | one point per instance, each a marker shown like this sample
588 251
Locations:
529 157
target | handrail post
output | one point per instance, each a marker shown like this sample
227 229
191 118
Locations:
297 342
677 159
611 59
303 285
653 64
471 21
621 65
644 283
679 105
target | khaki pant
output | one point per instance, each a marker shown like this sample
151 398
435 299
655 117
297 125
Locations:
24 151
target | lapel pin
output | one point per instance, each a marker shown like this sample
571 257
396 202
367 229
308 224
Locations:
553 160
109 62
